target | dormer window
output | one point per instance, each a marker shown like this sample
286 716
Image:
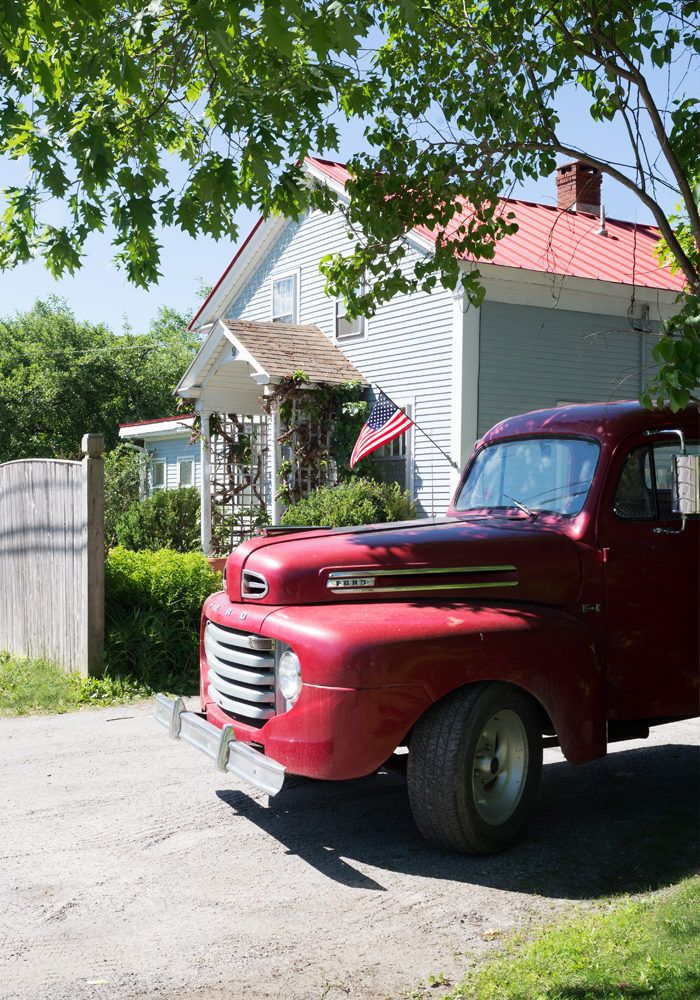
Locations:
284 298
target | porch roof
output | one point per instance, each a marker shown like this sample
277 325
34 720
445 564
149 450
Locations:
238 357
284 348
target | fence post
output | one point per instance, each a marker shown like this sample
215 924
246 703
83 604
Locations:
93 609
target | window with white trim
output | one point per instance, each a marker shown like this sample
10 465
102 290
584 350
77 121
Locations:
185 472
156 474
344 327
285 291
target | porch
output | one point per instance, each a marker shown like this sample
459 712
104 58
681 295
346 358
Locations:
244 420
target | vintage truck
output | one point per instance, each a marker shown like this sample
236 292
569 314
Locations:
555 604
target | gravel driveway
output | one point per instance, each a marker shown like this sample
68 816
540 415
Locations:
132 868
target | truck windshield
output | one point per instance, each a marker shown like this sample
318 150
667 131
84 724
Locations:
536 475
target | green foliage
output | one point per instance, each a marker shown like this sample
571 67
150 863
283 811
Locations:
459 98
123 470
357 501
31 686
61 378
167 520
100 98
641 948
153 603
677 354
232 528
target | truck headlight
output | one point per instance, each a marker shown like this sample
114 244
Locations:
289 676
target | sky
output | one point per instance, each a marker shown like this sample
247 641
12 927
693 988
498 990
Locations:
100 292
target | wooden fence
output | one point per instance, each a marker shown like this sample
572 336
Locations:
52 559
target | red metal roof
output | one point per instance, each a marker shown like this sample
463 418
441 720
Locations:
160 420
216 287
566 243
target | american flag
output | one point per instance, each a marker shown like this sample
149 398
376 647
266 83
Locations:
385 422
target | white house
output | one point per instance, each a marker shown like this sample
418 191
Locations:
573 302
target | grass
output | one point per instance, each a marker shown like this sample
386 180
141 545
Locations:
36 686
641 948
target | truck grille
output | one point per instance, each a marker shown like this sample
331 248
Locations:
241 677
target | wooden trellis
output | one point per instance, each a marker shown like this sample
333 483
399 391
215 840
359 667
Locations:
302 476
239 478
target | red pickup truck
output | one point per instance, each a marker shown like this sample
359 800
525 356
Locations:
555 604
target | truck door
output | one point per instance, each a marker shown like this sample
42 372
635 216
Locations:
651 570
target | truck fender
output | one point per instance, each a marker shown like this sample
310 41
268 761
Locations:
555 661
440 648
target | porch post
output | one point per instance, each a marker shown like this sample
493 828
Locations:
274 463
205 496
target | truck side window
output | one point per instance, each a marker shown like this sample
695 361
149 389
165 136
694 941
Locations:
643 490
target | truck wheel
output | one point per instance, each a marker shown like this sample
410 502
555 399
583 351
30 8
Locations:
474 766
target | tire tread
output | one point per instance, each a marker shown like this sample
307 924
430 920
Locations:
434 772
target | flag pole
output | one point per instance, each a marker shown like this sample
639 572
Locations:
416 425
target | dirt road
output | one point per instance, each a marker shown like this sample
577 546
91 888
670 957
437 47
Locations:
131 868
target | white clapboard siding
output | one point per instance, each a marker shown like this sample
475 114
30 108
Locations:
407 350
52 562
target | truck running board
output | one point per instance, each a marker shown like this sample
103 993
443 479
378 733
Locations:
221 745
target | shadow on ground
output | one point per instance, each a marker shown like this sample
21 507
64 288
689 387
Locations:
624 824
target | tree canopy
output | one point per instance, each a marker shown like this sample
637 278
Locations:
459 98
60 378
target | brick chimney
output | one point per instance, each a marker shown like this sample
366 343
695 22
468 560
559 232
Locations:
578 188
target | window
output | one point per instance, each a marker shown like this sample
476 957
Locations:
156 478
185 472
345 327
644 489
392 460
284 299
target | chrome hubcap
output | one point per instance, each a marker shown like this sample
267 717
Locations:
500 767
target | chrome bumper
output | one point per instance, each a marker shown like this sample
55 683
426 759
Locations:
221 745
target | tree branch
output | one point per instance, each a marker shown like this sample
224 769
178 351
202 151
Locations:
632 73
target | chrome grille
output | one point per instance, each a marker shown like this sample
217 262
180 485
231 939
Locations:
241 676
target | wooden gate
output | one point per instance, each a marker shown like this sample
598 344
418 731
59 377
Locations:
52 559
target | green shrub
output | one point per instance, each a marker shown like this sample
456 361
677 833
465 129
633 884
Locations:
357 501
153 603
167 520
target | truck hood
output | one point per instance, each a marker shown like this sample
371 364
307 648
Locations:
497 558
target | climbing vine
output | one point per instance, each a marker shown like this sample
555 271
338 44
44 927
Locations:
320 424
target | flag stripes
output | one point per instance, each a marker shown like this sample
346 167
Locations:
385 422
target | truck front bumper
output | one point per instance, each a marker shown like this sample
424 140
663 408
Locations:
221 745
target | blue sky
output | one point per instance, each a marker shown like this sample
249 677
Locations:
99 292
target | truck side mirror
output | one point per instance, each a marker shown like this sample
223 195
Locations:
686 484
